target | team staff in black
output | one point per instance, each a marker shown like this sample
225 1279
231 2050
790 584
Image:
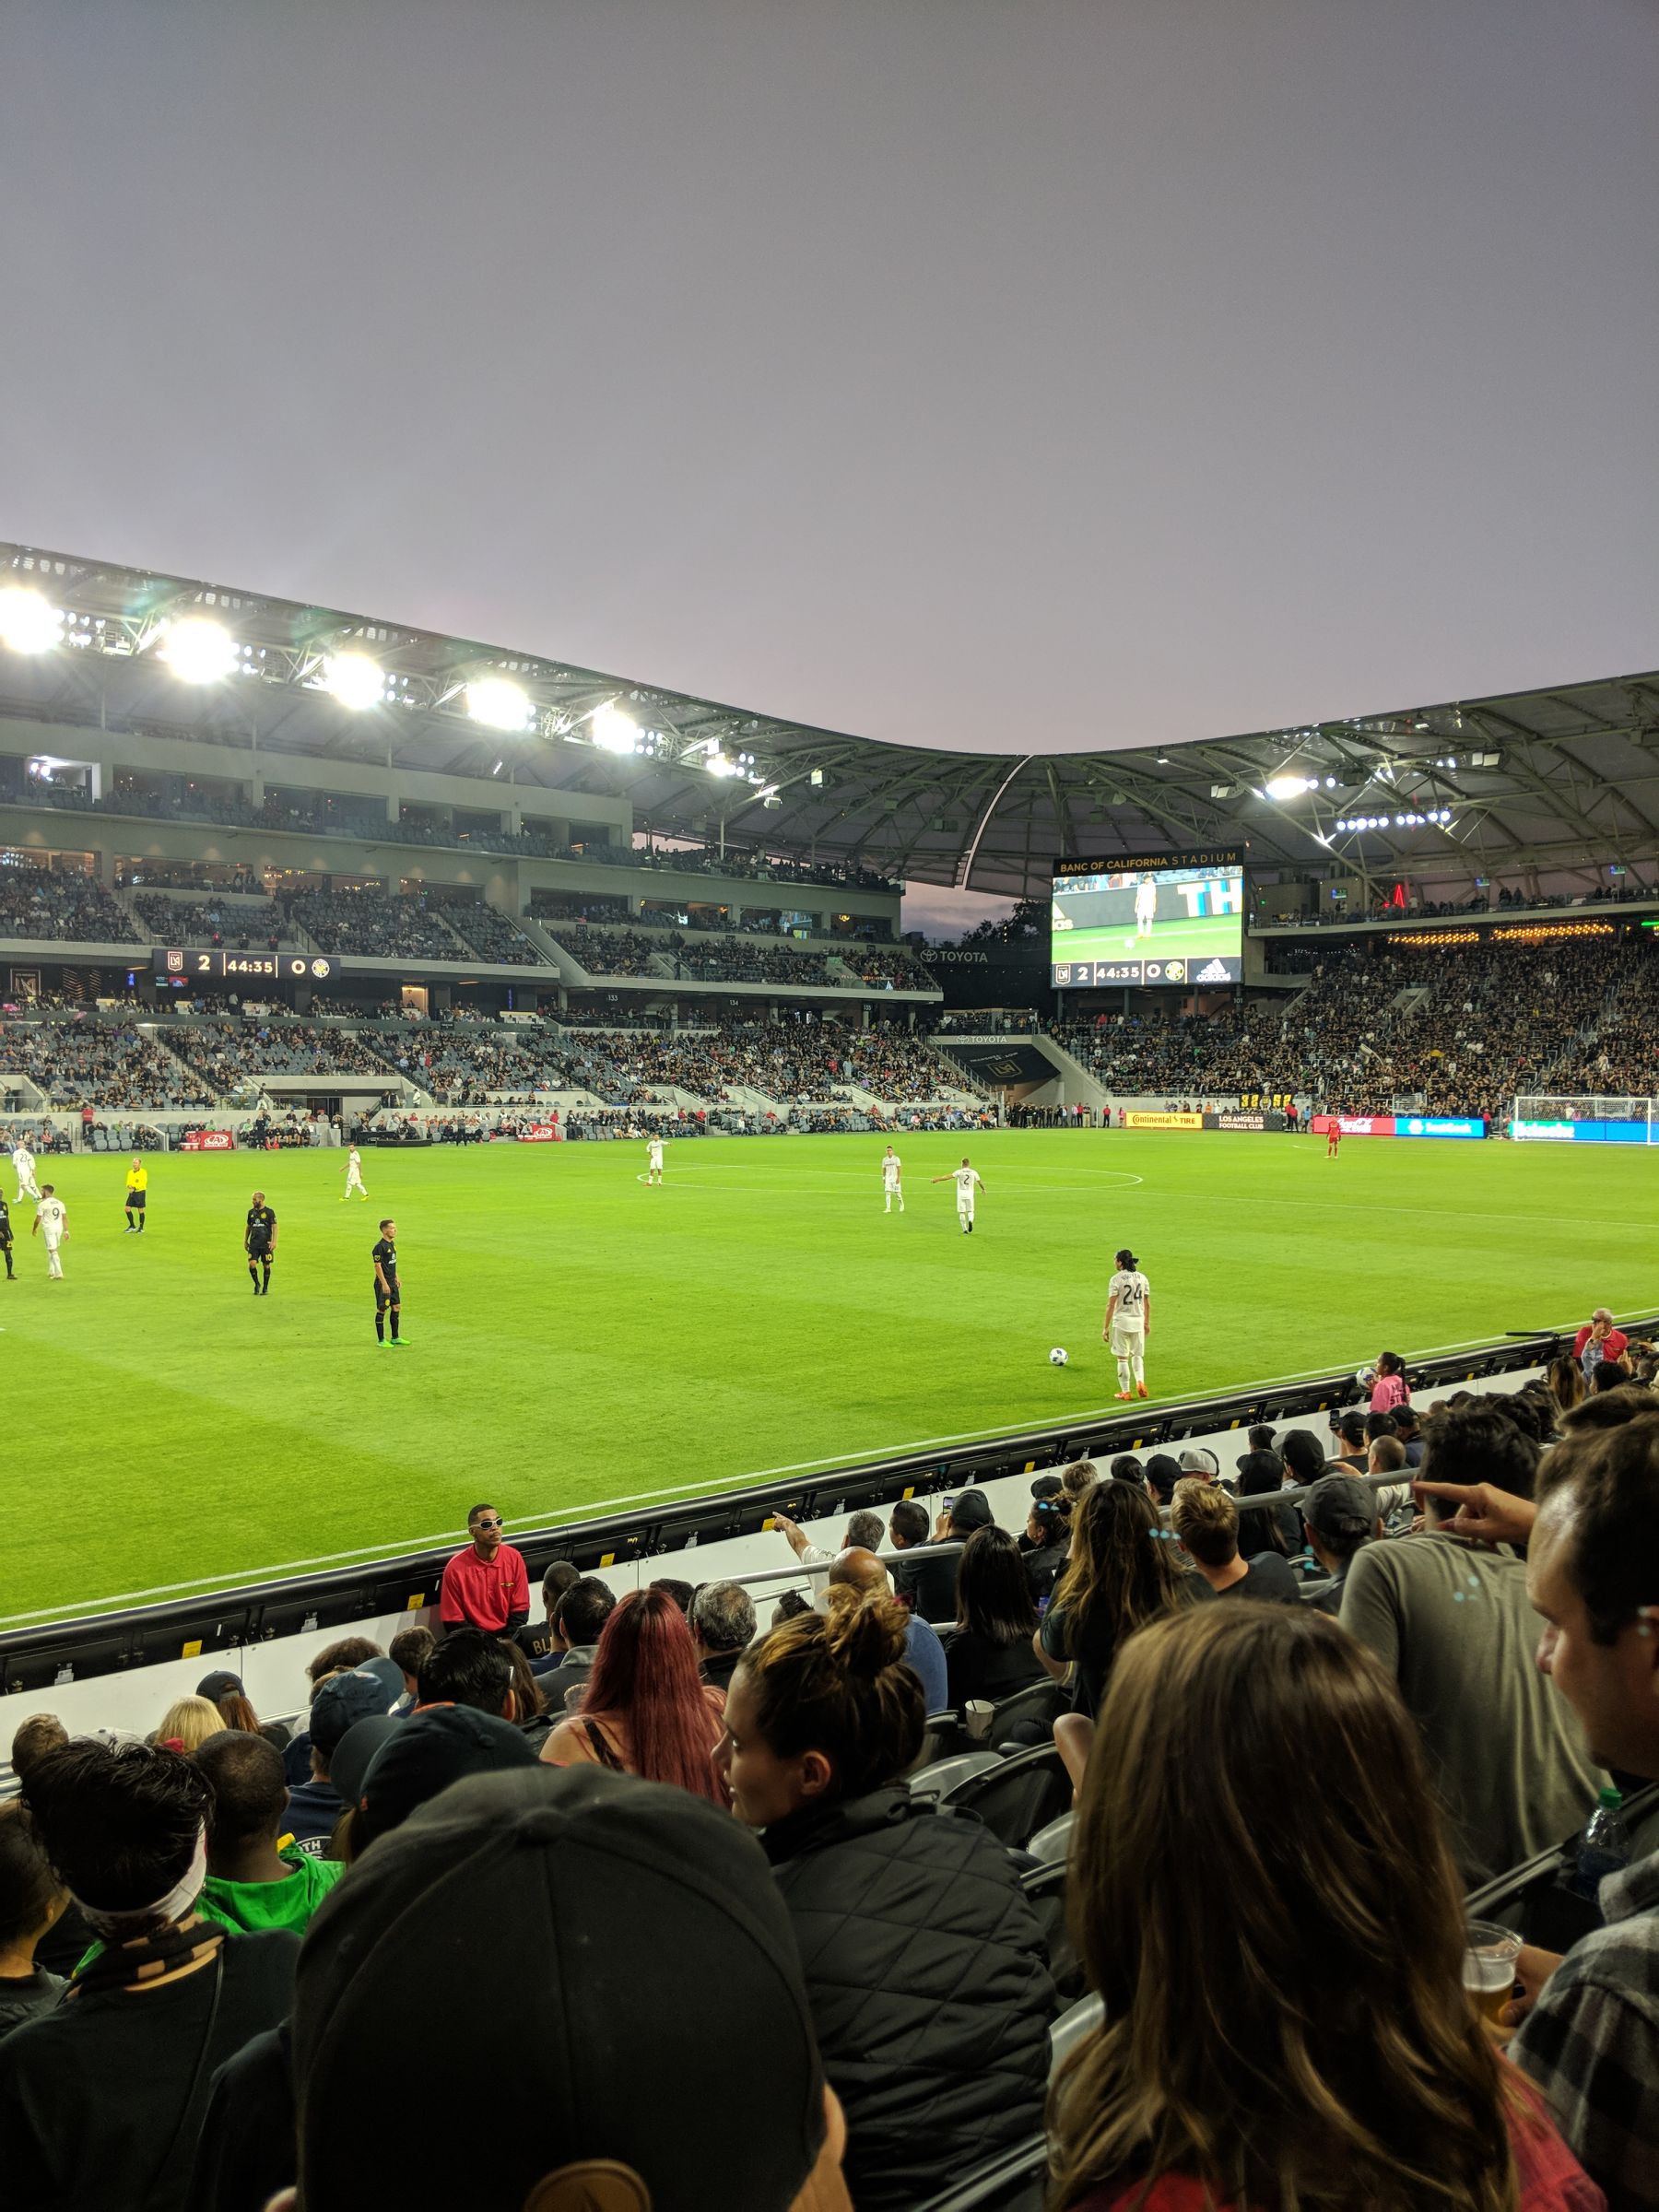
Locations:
259 1241
5 1237
388 1293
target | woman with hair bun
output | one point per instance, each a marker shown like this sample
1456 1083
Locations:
925 1967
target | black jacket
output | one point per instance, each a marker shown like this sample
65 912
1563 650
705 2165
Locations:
926 1580
929 1987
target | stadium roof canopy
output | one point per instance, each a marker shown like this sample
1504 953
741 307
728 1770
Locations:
1547 782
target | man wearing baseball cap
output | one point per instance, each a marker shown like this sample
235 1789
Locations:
618 1893
314 1806
1340 1515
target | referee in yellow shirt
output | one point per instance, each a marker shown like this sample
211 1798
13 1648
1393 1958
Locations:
137 1190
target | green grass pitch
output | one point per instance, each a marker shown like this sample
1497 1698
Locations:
577 1338
1172 939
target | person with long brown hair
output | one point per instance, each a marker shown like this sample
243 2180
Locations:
645 1711
1123 1572
990 1656
925 1967
1285 2028
1565 1379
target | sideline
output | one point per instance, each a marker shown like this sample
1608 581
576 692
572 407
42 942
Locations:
588 1508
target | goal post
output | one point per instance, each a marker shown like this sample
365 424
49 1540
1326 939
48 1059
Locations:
1552 1117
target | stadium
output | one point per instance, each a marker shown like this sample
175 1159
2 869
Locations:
1023 1455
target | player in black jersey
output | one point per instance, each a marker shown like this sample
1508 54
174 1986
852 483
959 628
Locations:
388 1295
5 1237
259 1241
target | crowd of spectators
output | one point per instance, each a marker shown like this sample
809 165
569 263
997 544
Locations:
37 902
482 929
245 924
229 1055
1295 1742
607 951
1462 1028
375 925
107 1064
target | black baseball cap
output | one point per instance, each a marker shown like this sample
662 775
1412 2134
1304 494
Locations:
354 1754
1340 1505
973 1510
220 1684
549 1916
423 1754
339 1705
1047 1486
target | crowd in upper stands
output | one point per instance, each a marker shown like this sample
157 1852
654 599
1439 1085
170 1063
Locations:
36 902
407 925
1189 1930
107 1064
245 924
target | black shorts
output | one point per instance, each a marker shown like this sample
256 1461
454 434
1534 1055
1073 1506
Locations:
391 1296
260 1255
136 1201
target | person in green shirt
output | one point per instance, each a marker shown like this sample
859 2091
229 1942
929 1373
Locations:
254 1881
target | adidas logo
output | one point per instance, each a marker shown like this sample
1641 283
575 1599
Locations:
1215 973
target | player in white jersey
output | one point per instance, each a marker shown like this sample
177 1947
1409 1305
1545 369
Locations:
23 1161
1128 1324
653 1157
52 1225
892 1180
1146 906
967 1182
354 1175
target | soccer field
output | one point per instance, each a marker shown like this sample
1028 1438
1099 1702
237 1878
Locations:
577 1338
1175 937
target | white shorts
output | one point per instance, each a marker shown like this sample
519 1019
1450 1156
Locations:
1126 1343
964 1210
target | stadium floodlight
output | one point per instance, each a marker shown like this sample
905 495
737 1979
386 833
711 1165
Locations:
615 731
718 764
498 704
1281 788
199 649
28 622
355 680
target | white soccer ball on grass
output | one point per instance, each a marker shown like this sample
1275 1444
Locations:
1057 1356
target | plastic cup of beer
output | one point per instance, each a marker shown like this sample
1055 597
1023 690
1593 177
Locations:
1488 1968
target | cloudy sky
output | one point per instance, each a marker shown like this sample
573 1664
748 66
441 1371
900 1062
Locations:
975 372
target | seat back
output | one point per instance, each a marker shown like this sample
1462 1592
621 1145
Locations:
1028 1717
942 1737
946 1774
1078 2020
1044 1891
1013 2181
1014 1796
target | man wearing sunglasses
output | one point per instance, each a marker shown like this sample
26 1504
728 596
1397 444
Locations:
486 1586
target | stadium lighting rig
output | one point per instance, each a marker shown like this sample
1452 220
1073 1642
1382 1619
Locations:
355 679
28 622
614 729
498 704
199 651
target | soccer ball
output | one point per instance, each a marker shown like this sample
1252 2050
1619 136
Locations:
1365 1377
1057 1356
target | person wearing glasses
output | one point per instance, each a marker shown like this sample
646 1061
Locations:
486 1586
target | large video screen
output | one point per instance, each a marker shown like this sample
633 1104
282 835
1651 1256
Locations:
1176 918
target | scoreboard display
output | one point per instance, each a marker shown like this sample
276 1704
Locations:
217 964
1148 920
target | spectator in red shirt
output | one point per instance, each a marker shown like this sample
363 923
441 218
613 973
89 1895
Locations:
486 1586
1598 1340
1276 2029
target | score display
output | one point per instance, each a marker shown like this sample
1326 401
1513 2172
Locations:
1147 921
217 964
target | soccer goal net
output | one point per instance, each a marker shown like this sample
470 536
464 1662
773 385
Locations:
1540 1118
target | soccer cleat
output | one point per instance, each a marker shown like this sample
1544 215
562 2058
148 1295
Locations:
1120 1397
1140 1390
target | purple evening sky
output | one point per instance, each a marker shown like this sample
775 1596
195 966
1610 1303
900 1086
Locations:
1050 373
